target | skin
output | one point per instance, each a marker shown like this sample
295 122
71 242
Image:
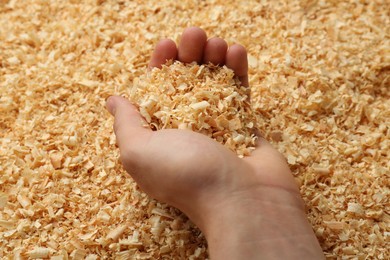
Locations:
247 208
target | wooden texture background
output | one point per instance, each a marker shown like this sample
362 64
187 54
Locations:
319 74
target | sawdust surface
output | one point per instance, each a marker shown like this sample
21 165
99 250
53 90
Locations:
320 79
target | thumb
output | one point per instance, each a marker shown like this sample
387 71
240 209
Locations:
272 165
129 126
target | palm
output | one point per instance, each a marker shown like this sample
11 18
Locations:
188 163
180 161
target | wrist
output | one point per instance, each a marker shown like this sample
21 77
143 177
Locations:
246 226
263 205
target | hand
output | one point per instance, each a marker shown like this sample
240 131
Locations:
171 162
196 174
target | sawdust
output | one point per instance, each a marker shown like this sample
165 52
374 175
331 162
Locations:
205 98
319 75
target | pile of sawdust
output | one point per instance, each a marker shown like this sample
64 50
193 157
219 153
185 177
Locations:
319 76
202 98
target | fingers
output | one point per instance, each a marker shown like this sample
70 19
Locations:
195 47
165 50
215 51
129 124
237 60
192 45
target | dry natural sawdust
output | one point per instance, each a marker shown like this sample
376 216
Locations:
203 98
319 75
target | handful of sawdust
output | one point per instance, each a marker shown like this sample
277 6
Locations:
203 98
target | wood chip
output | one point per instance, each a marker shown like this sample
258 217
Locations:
40 252
117 232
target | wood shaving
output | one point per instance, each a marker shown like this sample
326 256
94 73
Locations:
319 76
203 98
